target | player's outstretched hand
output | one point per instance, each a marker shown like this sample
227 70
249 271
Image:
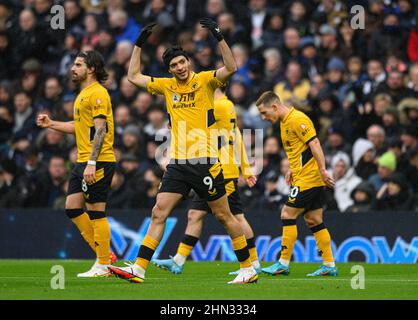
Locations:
144 34
43 121
213 27
251 181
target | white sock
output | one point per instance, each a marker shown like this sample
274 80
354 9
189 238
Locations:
284 262
256 264
179 259
329 264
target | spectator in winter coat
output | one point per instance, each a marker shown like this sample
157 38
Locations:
395 194
345 180
386 166
363 197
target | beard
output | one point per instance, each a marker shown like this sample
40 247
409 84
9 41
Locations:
78 78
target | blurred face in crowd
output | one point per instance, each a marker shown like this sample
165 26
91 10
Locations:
4 94
4 42
237 91
156 118
368 156
127 89
395 80
71 9
27 20
204 56
226 22
257 5
122 115
271 146
354 66
339 170
151 178
179 67
52 88
384 172
143 102
360 196
328 5
215 7
129 140
409 141
335 140
389 120
291 39
297 10
105 39
57 168
376 135
276 22
240 55
129 166
42 6
380 106
90 24
53 137
335 75
22 102
272 60
117 180
391 20
293 73
157 5
374 68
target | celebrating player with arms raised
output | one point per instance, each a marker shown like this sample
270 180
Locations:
194 154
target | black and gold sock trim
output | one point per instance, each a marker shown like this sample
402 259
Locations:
317 228
73 213
189 240
288 222
96 214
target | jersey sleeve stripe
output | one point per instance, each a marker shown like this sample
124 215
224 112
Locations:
100 116
314 137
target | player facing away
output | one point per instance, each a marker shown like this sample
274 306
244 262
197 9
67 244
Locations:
91 177
194 157
307 177
229 139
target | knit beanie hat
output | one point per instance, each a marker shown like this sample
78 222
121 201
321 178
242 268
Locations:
388 160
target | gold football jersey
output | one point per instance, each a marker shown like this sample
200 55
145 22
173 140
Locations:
297 131
92 102
191 114
230 140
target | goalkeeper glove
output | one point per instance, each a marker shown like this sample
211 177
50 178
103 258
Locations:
213 27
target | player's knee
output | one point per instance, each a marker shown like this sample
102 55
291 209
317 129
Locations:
159 214
194 216
224 216
312 221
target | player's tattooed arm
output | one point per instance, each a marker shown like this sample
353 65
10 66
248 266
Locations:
100 126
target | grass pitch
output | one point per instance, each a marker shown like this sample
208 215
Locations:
31 279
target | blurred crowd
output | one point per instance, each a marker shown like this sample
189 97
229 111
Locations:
358 83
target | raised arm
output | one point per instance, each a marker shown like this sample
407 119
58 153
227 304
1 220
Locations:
230 66
44 121
134 72
318 154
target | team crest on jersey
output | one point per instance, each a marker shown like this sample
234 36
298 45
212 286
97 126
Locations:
176 98
194 86
303 126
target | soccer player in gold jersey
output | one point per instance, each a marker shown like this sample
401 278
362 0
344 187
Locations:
194 160
230 145
91 177
307 177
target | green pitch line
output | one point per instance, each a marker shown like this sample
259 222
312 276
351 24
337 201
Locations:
31 279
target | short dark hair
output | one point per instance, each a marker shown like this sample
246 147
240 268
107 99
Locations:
171 53
93 59
267 98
